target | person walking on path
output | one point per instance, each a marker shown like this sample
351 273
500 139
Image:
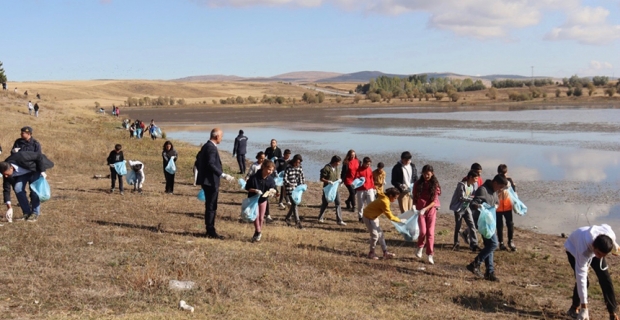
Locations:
293 177
169 154
36 109
239 150
209 174
329 174
30 108
260 183
426 192
585 247
20 169
349 167
115 156
26 142
404 175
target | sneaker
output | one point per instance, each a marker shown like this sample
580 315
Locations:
502 247
288 203
573 313
475 269
490 276
122 193
512 246
430 259
321 220
33 219
465 236
361 220
475 249
281 206
341 223
418 253
24 218
288 221
372 255
298 225
455 247
256 238
269 219
112 190
388 255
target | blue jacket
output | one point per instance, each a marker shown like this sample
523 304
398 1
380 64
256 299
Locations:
241 142
209 165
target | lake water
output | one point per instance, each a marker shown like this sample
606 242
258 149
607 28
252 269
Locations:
568 158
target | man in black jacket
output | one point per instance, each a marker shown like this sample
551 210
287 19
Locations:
239 150
209 174
19 169
26 142
404 175
273 151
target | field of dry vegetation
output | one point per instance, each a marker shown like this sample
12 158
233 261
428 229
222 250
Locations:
99 255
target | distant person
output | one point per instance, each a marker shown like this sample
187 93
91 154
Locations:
504 211
255 167
138 168
293 177
461 199
115 156
142 129
273 153
139 129
20 169
329 174
26 93
153 130
118 112
15 90
260 183
169 154
426 192
350 164
132 131
281 166
113 110
4 86
209 174
36 109
378 176
585 247
404 175
366 193
30 108
38 96
380 206
26 142
239 150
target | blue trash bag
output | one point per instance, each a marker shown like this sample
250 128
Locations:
201 196
358 182
249 208
120 168
486 221
42 189
298 192
241 183
518 206
158 132
131 177
279 179
171 168
409 228
331 191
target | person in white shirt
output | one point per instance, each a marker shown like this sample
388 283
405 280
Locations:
30 108
588 246
138 168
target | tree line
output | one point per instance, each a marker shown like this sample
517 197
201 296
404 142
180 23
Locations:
148 101
416 85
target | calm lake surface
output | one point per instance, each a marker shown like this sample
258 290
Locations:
574 160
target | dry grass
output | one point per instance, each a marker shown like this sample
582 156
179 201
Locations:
140 242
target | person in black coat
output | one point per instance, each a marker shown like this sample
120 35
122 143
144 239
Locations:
273 152
404 175
169 153
26 142
209 174
115 156
239 150
19 169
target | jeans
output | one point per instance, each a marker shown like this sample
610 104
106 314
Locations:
604 280
486 254
324 205
19 187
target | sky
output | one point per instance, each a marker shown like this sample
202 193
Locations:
169 39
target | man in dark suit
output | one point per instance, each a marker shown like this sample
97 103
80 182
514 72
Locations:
19 169
209 174
239 150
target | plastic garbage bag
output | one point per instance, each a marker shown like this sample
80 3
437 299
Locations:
409 228
201 196
331 191
298 192
120 168
42 189
486 221
171 168
158 132
131 177
518 206
249 208
279 179
358 182
241 183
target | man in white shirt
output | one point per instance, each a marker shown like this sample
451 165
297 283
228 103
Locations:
30 107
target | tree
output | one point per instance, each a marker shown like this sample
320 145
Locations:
578 91
610 91
492 94
439 96
320 97
597 80
591 89
558 92
308 97
239 100
454 97
338 99
357 98
569 92
2 74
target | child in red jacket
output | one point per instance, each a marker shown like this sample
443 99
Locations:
366 193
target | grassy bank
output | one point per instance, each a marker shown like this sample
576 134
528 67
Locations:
97 255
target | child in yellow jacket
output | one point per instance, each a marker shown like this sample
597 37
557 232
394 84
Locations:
379 177
381 205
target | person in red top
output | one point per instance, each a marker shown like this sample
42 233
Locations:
349 167
426 193
366 193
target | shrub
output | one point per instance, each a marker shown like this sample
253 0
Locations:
338 99
251 99
357 98
427 96
223 101
578 92
280 100
239 100
515 96
535 92
214 101
438 96
610 91
320 97
591 89
492 93
558 92
454 97
600 80
308 97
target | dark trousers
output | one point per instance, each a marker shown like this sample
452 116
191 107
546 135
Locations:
169 181
113 176
466 215
282 194
500 225
350 202
604 280
241 162
211 195
324 205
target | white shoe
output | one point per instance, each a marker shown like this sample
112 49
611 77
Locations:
430 259
281 205
342 223
418 253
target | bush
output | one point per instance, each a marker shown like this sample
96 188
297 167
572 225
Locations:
308 97
214 101
357 98
515 96
239 100
558 93
454 97
338 99
373 97
97 104
600 80
591 89
610 91
569 92
535 92
492 93
439 96
320 97
252 100
280 100
427 96
578 92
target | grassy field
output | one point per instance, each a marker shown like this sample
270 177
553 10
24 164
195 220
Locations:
99 255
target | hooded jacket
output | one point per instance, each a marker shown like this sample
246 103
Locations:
460 199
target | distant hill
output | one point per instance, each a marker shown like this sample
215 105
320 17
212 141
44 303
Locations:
308 76
214 77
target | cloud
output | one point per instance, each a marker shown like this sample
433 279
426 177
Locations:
597 65
586 25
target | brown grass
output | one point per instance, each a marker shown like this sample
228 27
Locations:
140 242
